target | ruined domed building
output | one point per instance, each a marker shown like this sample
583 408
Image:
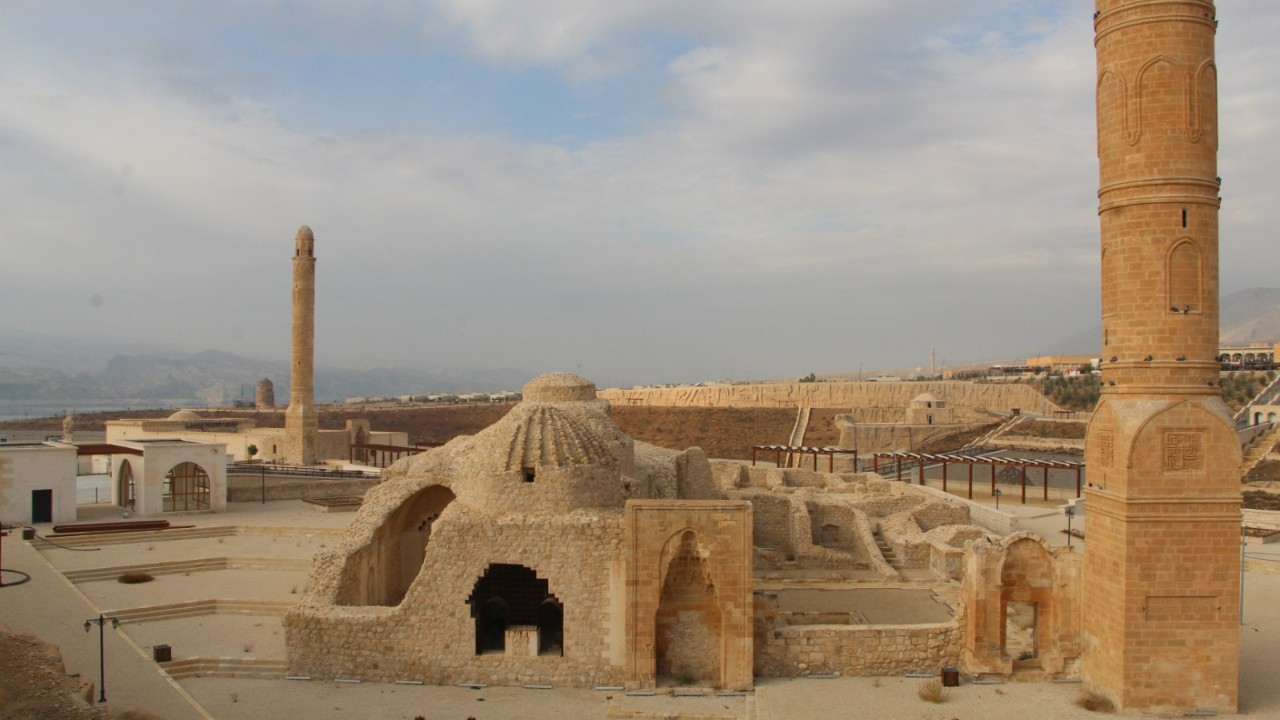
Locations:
549 548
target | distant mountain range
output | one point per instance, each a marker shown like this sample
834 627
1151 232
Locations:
36 367
49 368
1246 316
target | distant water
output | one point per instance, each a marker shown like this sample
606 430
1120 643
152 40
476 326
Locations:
23 409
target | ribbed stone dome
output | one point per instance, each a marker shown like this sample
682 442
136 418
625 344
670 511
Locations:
185 415
542 436
559 387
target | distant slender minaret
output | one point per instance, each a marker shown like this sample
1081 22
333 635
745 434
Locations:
300 422
1161 581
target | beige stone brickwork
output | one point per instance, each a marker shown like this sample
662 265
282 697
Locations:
506 557
689 607
964 399
1044 639
1161 570
301 421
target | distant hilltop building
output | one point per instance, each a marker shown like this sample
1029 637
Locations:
264 394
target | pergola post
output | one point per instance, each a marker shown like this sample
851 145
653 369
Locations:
944 475
754 448
1078 480
1024 484
1046 483
899 459
993 479
970 479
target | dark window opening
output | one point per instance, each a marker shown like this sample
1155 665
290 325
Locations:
528 473
550 628
1184 217
41 506
511 595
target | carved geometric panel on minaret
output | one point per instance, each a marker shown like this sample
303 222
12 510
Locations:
1183 450
1106 448
1185 280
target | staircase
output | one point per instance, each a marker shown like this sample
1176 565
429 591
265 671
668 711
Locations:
1257 450
1270 395
996 432
886 550
798 431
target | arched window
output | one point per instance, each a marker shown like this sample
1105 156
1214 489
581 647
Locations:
513 595
186 487
126 489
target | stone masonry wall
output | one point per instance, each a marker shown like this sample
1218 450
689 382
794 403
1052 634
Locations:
958 395
855 650
431 635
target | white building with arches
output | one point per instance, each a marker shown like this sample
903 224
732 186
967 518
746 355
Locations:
154 477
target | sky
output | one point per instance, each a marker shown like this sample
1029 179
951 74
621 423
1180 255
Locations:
639 191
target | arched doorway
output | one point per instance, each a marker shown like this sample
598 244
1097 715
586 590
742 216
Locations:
1026 604
186 487
126 490
687 624
508 596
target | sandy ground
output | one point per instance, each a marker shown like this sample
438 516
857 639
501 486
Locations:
55 609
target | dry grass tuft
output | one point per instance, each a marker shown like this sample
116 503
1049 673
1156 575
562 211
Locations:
134 578
932 691
1093 702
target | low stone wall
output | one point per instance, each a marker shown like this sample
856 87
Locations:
1026 442
798 650
997 522
958 395
247 488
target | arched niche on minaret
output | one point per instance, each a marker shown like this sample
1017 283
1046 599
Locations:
1113 107
1184 274
1162 93
1184 448
1207 104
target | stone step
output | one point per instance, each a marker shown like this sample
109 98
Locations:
194 608
188 566
226 667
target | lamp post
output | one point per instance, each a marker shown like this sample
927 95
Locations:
998 494
101 620
1070 513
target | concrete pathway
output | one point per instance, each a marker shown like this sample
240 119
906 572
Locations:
54 610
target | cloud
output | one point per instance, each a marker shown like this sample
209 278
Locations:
708 189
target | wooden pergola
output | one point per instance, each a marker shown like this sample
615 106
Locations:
803 450
1021 463
384 455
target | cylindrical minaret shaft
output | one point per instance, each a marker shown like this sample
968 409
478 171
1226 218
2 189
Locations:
1158 198
301 421
1161 564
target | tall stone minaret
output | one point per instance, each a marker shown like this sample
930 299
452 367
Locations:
300 421
1162 558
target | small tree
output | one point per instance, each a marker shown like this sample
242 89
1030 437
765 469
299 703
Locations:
252 450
